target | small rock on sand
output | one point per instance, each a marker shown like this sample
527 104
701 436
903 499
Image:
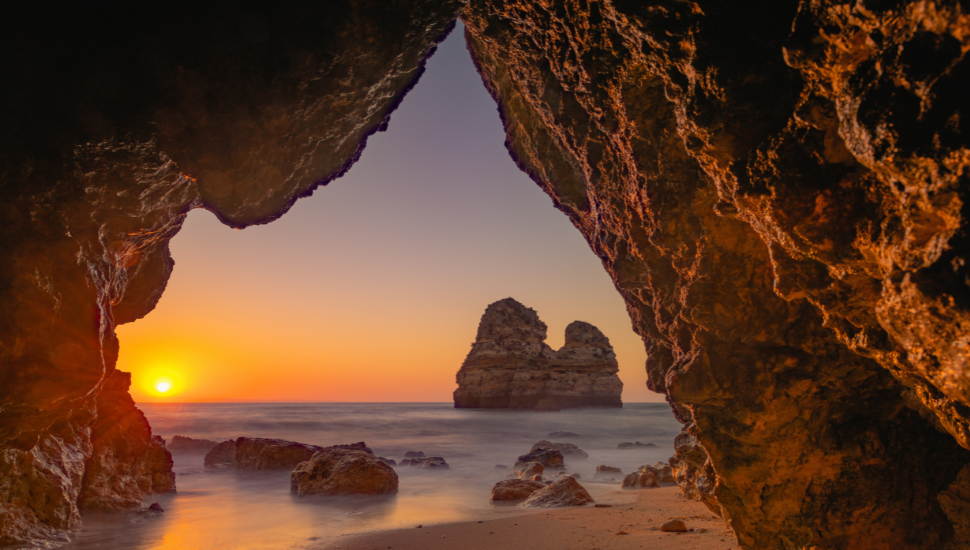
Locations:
565 492
674 526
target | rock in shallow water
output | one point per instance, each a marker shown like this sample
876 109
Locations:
514 489
343 472
564 492
510 365
550 459
182 444
567 449
222 455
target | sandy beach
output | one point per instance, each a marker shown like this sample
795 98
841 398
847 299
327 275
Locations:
633 521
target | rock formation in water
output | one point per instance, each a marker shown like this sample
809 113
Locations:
126 462
343 472
512 490
222 455
778 189
182 444
511 367
567 449
256 454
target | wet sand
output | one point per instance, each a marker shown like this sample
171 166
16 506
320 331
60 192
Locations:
633 522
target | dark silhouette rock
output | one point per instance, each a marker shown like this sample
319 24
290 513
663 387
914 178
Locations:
181 444
414 454
510 365
567 449
343 472
626 445
510 490
564 492
431 462
223 455
388 461
126 462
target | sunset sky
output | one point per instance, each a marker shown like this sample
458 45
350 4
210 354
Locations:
372 289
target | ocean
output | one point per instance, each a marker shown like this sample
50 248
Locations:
233 510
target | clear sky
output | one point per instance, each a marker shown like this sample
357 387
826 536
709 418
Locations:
372 289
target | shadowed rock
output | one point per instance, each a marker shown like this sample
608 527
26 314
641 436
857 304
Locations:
126 462
567 449
343 472
510 365
257 454
222 455
550 459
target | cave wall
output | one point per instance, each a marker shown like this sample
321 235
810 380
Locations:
777 188
117 120
778 191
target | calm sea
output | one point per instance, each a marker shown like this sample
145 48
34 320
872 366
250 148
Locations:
229 510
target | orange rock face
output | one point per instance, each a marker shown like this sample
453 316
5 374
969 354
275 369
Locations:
343 472
510 365
778 190
126 462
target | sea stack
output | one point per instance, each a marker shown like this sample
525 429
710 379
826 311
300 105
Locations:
511 367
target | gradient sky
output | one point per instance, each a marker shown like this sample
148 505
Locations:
372 289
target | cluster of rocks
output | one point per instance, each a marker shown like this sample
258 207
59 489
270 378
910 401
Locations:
648 476
528 486
510 366
630 445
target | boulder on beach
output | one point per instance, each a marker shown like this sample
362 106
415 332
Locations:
564 492
414 454
645 477
514 489
431 462
529 470
567 449
603 470
626 445
550 459
563 434
223 455
259 454
343 472
182 444
674 526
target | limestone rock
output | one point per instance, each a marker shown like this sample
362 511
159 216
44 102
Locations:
778 190
530 470
550 459
126 462
257 454
649 476
567 449
223 455
182 444
343 472
510 365
564 492
514 489
108 142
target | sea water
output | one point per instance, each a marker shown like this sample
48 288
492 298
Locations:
246 510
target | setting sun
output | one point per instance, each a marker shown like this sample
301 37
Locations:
162 387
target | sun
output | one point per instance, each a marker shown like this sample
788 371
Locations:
162 386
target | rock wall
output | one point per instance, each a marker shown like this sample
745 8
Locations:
119 119
510 365
778 190
126 462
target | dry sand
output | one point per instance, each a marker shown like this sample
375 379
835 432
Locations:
632 522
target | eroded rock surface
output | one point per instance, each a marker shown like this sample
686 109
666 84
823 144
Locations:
222 455
510 365
564 492
779 192
123 118
261 454
343 472
126 462
510 490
